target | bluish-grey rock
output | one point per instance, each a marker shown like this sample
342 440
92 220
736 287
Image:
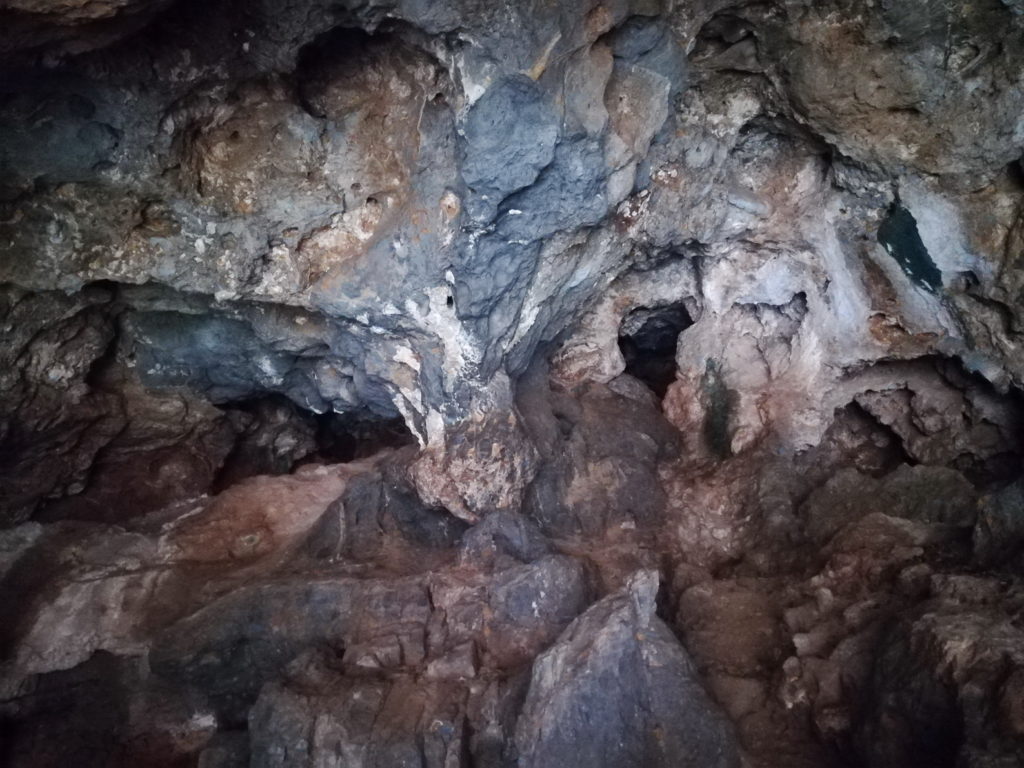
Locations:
510 135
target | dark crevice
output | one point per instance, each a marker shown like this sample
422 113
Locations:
343 52
101 368
1002 466
882 451
1015 173
647 340
323 54
346 437
275 437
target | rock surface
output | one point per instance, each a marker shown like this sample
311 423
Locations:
619 665
525 383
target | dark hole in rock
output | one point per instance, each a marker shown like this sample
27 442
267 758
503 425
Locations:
916 720
966 281
865 442
899 236
320 56
1015 172
80 709
349 437
647 340
272 436
275 436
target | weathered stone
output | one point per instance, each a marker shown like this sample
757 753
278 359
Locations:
512 615
379 508
935 683
728 291
734 626
366 723
236 644
926 494
503 535
999 532
618 689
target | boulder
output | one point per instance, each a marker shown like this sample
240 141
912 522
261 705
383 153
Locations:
618 689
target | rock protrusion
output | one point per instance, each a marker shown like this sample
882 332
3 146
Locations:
618 689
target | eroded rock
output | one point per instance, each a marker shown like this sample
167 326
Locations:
349 352
662 715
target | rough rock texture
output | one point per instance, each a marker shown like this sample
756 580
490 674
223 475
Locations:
521 383
663 715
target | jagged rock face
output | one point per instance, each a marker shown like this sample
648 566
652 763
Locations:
574 693
511 384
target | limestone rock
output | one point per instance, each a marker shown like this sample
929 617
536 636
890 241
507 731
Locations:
354 356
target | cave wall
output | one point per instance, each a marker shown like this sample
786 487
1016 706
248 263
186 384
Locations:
392 208
418 304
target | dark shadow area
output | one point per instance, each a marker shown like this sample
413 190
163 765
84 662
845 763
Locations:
864 442
347 437
917 721
275 436
328 53
1015 173
647 340
947 414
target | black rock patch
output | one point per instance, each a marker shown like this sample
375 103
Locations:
899 236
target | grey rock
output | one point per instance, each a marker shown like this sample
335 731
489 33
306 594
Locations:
637 37
999 531
365 722
503 534
233 646
513 614
510 134
617 689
